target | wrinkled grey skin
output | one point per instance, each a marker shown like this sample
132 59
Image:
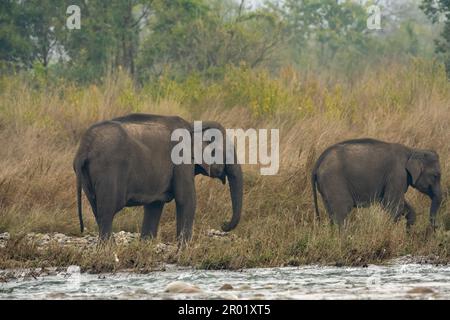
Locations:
127 162
359 172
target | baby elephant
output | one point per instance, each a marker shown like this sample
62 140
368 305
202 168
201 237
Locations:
359 172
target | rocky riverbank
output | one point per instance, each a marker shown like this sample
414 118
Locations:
36 254
43 240
46 254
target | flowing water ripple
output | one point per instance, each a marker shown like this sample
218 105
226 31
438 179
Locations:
307 282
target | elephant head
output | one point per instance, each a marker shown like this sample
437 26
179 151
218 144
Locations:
424 174
224 171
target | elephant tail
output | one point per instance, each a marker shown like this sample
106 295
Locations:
79 202
314 189
78 167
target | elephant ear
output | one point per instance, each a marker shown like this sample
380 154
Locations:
414 166
203 168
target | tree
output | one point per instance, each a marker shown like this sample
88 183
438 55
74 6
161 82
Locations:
188 36
109 37
28 31
44 21
439 12
326 25
15 47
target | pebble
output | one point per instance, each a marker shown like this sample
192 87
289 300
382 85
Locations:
228 296
4 238
162 248
216 233
259 296
73 270
57 295
141 292
245 287
123 237
226 286
421 290
43 240
182 287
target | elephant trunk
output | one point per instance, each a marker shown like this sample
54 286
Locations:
436 199
234 175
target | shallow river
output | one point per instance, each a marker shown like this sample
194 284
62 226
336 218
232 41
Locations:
310 282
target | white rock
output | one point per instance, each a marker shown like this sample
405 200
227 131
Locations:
164 248
229 296
73 270
182 287
5 236
216 233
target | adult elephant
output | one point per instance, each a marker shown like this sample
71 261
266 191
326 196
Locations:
127 162
358 172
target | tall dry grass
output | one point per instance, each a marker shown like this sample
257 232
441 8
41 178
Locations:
40 126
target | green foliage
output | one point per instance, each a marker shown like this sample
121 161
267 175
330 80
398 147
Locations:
45 23
108 39
326 27
288 91
439 12
257 90
14 47
189 41
28 32
196 36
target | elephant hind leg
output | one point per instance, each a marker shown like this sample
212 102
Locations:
108 204
105 226
337 200
339 210
106 212
152 215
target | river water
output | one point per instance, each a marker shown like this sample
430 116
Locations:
395 281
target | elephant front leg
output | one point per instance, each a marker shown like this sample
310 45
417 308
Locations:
410 215
184 192
152 215
395 209
185 221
